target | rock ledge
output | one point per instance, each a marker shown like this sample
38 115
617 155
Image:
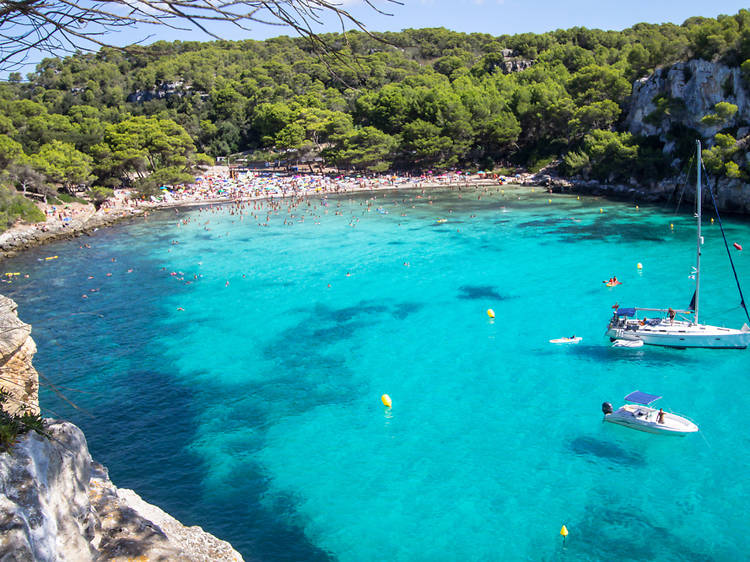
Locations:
56 503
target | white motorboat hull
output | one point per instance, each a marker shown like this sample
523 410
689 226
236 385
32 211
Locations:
679 334
645 419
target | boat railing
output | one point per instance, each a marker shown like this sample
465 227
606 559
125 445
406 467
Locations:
664 310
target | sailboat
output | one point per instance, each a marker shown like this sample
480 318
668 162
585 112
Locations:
659 326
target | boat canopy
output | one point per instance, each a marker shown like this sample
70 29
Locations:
626 312
641 398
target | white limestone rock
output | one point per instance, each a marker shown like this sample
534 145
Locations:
56 504
700 85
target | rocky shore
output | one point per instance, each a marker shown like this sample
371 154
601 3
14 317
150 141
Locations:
24 236
57 503
731 195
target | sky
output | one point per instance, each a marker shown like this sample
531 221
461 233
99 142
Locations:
499 17
495 17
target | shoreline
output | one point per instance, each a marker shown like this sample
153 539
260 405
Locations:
25 236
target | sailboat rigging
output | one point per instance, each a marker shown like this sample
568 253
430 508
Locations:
667 331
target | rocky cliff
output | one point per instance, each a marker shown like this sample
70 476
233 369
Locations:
17 375
681 96
684 94
57 504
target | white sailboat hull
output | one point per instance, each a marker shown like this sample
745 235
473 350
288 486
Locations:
645 419
668 332
679 334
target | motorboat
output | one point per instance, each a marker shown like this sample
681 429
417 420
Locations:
638 415
668 327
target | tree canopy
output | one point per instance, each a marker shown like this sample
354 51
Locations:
414 100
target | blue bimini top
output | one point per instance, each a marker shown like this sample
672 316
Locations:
641 398
626 312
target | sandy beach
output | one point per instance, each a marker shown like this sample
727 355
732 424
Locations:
214 187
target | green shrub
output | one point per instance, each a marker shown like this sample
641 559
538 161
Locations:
537 165
724 112
576 162
14 206
505 171
99 194
65 198
12 426
745 68
665 107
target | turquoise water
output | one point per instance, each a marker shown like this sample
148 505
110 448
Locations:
255 412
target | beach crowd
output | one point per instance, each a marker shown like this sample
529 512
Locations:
222 184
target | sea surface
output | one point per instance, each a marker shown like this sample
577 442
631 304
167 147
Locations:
232 374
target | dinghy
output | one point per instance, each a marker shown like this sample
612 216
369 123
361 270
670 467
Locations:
566 340
628 343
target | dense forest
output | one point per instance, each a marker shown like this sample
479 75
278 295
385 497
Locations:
415 100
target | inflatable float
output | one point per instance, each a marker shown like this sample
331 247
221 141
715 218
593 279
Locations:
566 340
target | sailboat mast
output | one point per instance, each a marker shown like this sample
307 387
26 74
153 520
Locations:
699 201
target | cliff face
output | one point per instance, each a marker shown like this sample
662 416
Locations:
57 504
17 375
694 88
683 95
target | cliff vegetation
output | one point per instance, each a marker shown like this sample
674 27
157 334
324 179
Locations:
606 105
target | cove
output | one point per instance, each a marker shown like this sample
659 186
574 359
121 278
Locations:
255 410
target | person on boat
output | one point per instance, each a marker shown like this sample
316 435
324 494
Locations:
671 313
660 416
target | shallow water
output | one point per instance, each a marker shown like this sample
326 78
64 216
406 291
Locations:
255 412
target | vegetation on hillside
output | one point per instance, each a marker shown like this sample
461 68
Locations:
415 100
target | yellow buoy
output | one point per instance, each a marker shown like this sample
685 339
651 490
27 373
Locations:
564 531
601 210
636 207
578 197
386 400
712 220
671 225
640 265
490 313
549 200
